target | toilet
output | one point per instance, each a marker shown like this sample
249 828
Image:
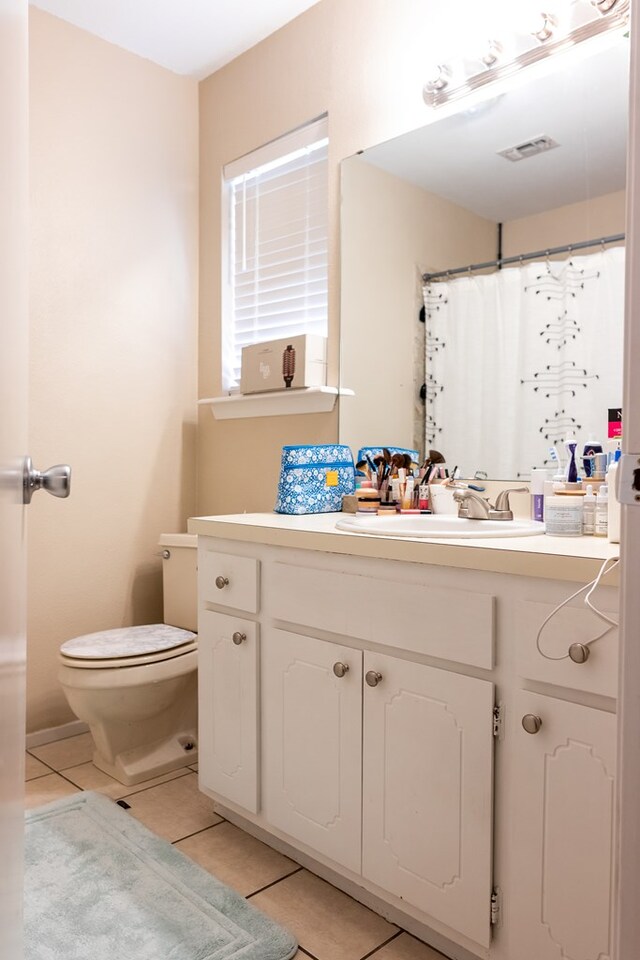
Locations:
136 687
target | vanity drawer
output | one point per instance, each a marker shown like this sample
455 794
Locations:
598 674
439 622
228 580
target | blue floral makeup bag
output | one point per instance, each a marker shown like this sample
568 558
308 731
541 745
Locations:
314 478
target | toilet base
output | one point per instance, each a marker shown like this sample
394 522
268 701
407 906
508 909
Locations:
145 763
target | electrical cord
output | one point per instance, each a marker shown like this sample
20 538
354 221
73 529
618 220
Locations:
590 587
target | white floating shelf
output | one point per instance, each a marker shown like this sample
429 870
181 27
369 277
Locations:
276 403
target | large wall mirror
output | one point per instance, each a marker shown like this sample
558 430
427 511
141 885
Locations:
509 360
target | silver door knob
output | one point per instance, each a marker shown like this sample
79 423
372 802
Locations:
531 723
579 652
239 638
340 669
56 480
373 678
222 582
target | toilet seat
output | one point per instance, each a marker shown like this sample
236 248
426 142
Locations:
127 647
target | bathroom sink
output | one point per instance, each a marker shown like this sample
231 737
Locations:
433 525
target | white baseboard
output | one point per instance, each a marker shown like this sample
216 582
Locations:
41 737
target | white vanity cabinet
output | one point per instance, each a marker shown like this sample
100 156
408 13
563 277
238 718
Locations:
228 706
563 829
401 790
348 711
312 741
427 789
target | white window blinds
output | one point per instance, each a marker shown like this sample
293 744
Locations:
277 244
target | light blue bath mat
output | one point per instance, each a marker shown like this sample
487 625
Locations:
100 886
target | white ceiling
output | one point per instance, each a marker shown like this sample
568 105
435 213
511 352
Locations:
193 37
582 105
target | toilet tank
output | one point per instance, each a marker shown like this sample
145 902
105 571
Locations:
179 579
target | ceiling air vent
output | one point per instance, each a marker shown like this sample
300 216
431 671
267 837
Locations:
530 148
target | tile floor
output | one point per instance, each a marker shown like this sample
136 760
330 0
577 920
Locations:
328 924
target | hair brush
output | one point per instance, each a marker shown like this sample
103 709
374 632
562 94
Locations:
288 365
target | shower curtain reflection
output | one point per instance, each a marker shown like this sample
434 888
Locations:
538 348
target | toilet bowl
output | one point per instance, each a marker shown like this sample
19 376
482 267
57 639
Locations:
136 687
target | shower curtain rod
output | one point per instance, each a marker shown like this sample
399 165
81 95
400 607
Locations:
551 251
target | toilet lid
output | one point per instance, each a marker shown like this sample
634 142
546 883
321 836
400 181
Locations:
126 642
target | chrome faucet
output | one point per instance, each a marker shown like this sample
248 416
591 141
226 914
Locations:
473 507
503 507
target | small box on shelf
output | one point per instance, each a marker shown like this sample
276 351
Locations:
284 364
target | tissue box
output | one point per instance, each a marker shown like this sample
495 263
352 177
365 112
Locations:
284 364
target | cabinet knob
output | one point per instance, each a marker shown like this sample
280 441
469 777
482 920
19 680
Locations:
531 723
579 652
340 669
373 678
222 582
239 638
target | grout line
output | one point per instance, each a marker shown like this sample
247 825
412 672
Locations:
273 883
307 953
196 832
372 953
39 776
134 793
66 779
47 765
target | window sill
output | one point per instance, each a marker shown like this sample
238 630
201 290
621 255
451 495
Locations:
277 403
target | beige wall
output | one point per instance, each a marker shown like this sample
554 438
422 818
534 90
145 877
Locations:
363 61
591 219
113 336
393 231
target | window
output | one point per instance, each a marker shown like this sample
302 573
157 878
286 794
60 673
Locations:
276 245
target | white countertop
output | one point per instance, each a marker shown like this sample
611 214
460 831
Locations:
557 558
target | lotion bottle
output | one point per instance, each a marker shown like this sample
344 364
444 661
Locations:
589 512
613 529
602 512
538 478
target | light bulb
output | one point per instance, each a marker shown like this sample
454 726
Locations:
439 80
545 32
492 54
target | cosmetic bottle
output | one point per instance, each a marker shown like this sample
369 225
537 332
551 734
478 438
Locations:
613 519
589 512
407 498
600 468
571 473
591 447
602 512
538 477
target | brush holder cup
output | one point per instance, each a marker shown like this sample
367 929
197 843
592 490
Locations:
442 501
314 478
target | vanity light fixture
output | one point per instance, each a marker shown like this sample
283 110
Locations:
604 5
545 31
558 29
492 53
440 79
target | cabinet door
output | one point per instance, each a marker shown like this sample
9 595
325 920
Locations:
428 790
311 743
563 819
228 707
